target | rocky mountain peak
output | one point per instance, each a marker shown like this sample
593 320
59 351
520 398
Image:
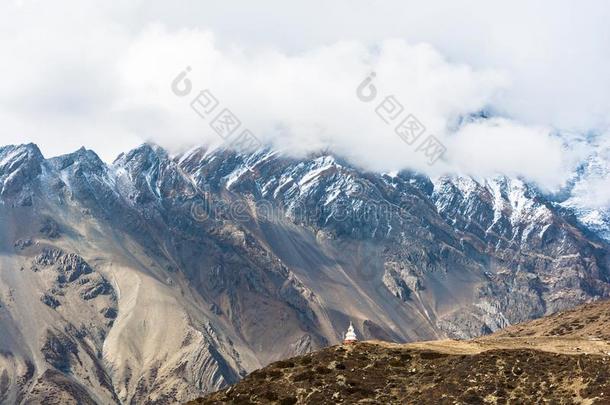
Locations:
19 166
142 158
83 160
12 157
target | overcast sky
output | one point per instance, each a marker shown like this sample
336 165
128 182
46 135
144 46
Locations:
76 74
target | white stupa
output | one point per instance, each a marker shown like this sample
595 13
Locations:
350 336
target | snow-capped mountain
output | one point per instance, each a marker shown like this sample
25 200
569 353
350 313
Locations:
588 194
158 278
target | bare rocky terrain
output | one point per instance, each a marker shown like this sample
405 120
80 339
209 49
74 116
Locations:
561 359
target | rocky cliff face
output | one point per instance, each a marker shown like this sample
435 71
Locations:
161 277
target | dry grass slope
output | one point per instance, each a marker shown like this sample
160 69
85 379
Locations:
561 359
589 321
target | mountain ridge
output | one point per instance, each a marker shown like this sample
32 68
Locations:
250 258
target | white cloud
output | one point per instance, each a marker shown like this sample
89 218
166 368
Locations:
76 75
306 101
486 148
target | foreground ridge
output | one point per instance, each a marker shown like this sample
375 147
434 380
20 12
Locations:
524 364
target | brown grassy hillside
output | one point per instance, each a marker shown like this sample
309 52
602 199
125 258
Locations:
561 359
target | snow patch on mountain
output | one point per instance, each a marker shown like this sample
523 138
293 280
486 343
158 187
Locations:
589 193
